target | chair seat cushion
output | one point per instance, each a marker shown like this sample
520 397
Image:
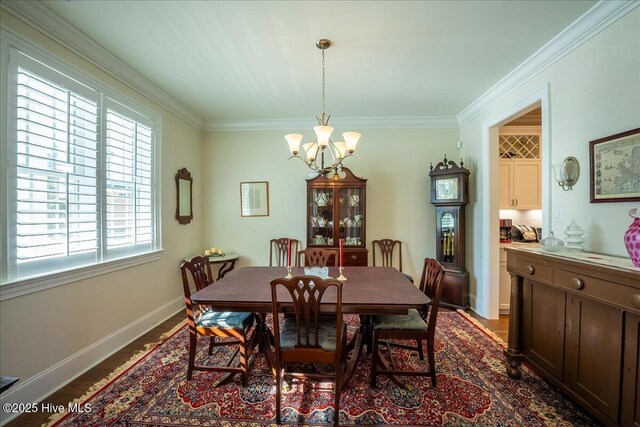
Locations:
326 334
409 322
224 320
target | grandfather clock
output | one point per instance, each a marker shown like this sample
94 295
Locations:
450 195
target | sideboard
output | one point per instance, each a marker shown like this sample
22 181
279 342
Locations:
576 317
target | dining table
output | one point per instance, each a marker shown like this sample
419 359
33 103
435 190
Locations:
367 291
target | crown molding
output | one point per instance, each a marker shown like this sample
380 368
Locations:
45 20
418 122
592 22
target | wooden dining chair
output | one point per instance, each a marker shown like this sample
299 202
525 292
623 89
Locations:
319 257
307 335
280 247
202 320
386 248
417 325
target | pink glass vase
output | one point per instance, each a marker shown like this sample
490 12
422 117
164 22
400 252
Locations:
632 237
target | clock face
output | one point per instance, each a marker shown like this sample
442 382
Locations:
447 188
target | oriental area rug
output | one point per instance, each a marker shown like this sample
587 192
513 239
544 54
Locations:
473 389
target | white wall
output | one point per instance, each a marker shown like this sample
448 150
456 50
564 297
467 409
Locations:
594 92
41 329
395 162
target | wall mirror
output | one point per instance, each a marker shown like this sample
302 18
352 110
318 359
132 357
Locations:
184 208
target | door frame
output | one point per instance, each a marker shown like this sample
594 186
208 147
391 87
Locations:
489 288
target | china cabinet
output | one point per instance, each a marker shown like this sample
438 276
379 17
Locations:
336 209
450 195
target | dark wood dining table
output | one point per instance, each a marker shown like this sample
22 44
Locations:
367 291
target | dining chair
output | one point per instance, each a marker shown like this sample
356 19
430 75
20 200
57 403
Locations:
417 325
280 247
202 320
319 257
386 248
307 335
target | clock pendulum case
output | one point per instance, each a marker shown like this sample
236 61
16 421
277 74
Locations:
450 195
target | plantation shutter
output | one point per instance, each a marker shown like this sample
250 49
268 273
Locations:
80 175
56 159
129 174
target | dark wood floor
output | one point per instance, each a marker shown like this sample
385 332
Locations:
80 385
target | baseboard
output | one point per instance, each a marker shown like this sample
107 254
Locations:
38 387
504 309
473 300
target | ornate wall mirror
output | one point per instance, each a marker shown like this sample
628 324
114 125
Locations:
184 208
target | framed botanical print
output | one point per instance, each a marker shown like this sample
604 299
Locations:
614 163
254 198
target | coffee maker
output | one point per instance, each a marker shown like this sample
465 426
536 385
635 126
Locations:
505 230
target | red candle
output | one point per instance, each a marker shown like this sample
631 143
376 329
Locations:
341 252
289 253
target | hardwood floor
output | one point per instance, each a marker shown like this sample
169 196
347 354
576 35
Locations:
80 385
499 326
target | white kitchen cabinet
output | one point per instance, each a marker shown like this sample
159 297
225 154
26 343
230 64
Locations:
520 184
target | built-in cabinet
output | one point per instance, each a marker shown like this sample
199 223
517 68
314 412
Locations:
578 320
520 168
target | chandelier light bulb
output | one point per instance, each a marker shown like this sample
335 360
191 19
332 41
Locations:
351 140
323 133
293 139
341 149
311 150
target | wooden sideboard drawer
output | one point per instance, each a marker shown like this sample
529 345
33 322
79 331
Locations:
355 259
533 270
603 290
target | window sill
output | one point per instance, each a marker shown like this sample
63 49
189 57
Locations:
29 285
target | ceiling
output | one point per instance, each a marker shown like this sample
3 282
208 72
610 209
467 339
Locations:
233 60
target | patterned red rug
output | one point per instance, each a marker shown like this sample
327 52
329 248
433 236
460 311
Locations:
473 389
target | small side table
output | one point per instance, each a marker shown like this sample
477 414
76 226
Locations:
228 261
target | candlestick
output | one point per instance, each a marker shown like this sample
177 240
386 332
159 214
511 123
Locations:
341 276
288 276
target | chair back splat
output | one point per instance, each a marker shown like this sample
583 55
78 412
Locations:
386 248
280 248
431 286
319 257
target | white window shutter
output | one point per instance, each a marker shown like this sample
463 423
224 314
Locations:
56 161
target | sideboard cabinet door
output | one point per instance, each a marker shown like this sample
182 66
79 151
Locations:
594 353
631 383
543 323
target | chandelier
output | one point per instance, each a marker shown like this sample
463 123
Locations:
323 155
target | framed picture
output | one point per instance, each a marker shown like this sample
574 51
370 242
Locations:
614 163
254 198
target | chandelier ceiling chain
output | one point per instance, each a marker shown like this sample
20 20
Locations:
323 84
316 150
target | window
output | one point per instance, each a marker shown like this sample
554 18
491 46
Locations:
81 174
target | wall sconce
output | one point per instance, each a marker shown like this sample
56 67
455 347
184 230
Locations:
567 174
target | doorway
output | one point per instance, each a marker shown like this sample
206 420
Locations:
489 285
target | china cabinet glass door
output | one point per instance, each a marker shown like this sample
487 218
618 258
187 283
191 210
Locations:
351 213
320 217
